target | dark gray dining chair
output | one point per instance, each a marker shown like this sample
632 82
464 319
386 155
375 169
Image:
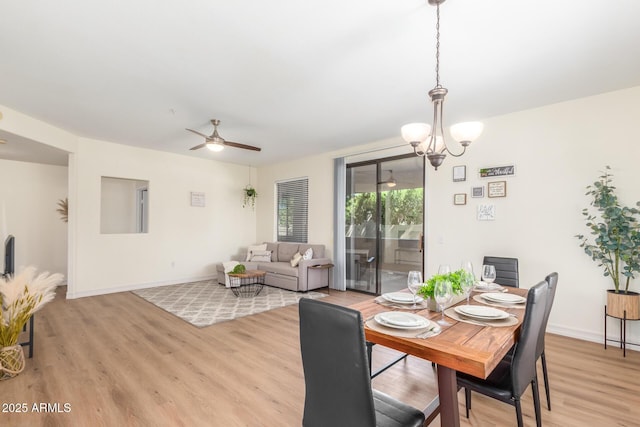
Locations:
506 270
552 281
511 378
336 374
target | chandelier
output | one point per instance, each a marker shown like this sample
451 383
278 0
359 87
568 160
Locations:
429 140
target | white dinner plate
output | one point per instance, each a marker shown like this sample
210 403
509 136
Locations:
484 286
401 298
481 312
504 298
401 320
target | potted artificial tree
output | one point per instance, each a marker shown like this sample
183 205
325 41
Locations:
615 246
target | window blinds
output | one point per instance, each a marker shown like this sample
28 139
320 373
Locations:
293 210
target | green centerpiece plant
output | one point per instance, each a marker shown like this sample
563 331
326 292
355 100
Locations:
455 278
239 269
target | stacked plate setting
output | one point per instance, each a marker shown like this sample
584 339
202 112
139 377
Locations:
481 312
502 298
487 287
401 320
402 298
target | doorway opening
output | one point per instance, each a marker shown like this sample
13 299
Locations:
384 223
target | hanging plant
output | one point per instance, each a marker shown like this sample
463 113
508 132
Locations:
250 195
63 209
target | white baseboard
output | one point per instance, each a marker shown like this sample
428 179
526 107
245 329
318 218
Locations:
135 287
584 335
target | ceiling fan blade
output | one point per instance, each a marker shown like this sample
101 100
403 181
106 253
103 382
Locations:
238 145
198 133
197 147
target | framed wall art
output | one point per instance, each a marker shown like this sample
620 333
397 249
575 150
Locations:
497 189
459 173
460 199
486 212
497 171
197 199
477 191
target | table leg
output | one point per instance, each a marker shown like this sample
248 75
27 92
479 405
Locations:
448 393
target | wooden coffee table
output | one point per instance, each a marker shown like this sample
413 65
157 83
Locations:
247 284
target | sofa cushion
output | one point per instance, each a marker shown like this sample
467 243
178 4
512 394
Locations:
286 251
273 247
260 256
283 268
296 259
318 250
251 249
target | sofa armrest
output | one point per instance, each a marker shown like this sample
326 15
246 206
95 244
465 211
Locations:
303 269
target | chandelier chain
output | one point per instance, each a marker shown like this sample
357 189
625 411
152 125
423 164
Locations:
438 45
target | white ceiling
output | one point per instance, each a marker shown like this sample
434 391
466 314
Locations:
299 78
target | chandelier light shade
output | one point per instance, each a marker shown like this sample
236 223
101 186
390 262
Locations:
429 140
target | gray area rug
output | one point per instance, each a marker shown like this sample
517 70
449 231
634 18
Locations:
205 303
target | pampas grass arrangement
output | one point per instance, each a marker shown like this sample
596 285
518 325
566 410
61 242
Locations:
20 297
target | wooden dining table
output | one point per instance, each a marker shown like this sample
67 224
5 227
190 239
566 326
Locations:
470 348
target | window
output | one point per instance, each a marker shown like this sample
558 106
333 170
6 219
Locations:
292 209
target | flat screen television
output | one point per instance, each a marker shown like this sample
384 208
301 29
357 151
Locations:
9 255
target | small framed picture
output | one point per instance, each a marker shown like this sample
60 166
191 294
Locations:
460 199
459 173
477 191
497 189
486 212
197 199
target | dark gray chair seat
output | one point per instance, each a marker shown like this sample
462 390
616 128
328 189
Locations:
336 373
511 378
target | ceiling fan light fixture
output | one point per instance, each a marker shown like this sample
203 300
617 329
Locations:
215 147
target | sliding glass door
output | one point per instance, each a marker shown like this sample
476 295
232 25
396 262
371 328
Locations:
384 223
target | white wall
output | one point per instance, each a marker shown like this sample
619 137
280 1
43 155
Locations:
557 150
29 195
319 171
184 243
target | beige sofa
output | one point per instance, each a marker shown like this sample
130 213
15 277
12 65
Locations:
281 274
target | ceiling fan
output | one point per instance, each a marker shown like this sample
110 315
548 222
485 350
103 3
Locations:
391 182
215 142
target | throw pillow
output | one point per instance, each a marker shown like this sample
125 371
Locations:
296 259
308 254
260 256
250 249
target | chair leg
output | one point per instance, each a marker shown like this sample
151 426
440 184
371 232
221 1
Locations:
467 400
546 380
536 402
518 412
369 351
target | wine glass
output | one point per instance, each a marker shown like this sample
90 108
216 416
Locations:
444 269
467 279
443 294
467 266
488 273
414 283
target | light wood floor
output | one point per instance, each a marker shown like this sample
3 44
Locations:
117 360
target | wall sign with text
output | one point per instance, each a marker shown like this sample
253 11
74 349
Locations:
497 171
